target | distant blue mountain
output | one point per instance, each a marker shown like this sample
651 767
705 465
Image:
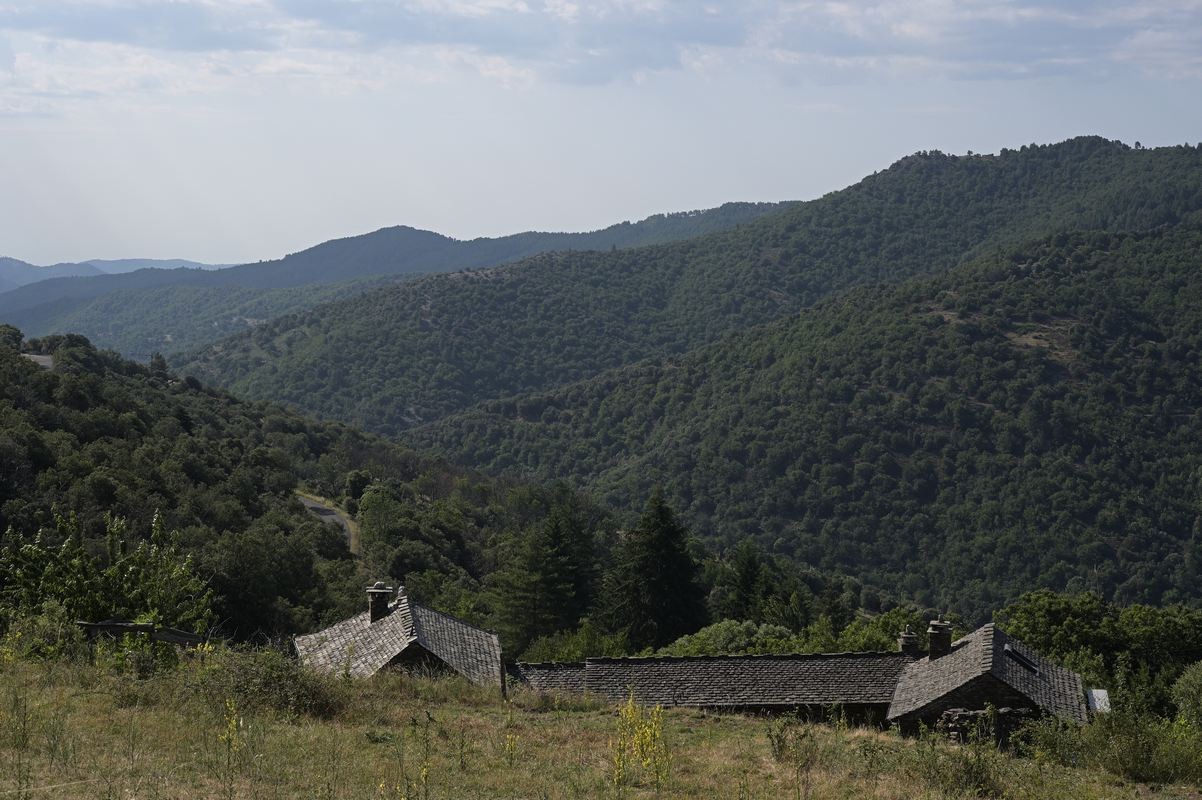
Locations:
15 273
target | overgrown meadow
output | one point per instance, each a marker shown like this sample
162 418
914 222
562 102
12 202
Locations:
221 723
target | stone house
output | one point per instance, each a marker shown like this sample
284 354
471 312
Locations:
395 632
905 687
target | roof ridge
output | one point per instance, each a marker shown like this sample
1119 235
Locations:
987 649
550 663
794 656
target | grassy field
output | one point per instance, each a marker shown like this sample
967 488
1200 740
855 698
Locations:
226 726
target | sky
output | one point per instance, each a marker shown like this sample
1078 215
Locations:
238 130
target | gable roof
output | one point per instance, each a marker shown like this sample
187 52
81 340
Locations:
470 651
360 647
988 651
755 681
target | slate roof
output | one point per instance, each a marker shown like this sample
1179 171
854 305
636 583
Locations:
470 651
553 676
988 651
361 648
758 681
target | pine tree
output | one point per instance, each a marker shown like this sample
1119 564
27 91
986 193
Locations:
546 586
652 592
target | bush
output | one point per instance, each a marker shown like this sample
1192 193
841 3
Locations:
1139 747
975 769
1187 696
50 635
264 679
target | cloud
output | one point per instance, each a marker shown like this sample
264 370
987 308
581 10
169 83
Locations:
181 25
1172 53
8 59
203 46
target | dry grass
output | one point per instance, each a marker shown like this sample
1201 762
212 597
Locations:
70 731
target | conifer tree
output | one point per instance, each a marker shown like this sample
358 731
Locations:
546 586
652 592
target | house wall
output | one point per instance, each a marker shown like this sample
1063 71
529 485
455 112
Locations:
416 659
974 695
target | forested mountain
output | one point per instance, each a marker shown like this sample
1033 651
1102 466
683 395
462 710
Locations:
409 354
137 314
14 273
141 322
117 266
1030 419
100 437
122 486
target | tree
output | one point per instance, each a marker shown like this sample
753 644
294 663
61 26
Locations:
11 336
546 585
652 592
1187 695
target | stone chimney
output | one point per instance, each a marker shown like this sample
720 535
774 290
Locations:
907 642
378 596
939 633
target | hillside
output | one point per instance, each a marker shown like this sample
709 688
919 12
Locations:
117 266
112 309
1030 419
410 354
99 436
176 314
15 273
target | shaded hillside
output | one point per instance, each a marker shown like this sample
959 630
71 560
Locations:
1027 420
96 438
98 435
410 354
140 322
110 309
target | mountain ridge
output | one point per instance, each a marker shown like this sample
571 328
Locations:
405 355
1026 420
86 305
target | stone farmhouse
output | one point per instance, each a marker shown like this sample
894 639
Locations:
906 687
395 632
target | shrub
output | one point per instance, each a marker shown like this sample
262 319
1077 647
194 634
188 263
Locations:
796 744
1187 695
974 769
265 679
51 635
1139 747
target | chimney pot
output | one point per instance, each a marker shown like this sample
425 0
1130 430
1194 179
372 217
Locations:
907 642
939 634
378 596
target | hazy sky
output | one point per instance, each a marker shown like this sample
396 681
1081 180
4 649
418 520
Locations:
234 130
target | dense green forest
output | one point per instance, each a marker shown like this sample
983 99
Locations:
125 490
1030 419
173 310
99 438
140 322
409 354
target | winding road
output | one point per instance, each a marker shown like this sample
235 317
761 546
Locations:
328 513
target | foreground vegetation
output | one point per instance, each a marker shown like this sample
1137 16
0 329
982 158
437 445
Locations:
227 724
